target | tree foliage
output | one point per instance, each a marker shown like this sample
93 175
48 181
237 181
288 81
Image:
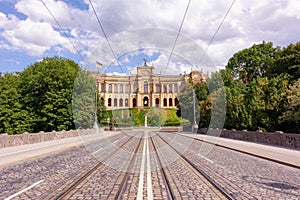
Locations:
256 83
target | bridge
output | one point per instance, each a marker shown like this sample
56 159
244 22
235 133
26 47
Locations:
148 164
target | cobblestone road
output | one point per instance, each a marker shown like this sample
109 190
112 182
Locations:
243 176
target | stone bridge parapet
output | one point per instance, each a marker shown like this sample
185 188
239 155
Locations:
30 138
272 138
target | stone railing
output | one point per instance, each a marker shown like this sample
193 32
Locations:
273 138
30 138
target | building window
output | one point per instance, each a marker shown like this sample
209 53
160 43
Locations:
126 102
157 102
176 87
115 102
126 88
170 88
157 88
176 102
116 88
146 102
134 88
165 88
110 88
134 102
109 102
121 88
121 102
170 102
102 87
165 102
145 87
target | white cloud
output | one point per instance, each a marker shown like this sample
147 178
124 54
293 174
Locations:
247 22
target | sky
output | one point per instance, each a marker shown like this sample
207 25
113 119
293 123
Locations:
141 29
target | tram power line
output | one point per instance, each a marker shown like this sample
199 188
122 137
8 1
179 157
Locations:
62 30
106 38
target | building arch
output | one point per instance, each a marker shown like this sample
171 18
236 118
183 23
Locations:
109 102
115 102
120 102
176 102
145 86
146 101
157 102
134 102
170 102
165 102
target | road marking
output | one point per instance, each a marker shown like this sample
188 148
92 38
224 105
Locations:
97 151
149 181
206 158
24 190
141 179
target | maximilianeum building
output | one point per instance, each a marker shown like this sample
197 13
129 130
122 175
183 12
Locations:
143 89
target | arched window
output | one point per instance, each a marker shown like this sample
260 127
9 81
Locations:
102 87
145 87
157 102
146 101
134 88
116 88
115 102
165 102
170 88
157 88
109 102
176 87
170 102
120 102
165 88
134 102
126 102
176 102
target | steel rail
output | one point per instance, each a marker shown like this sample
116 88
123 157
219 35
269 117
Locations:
163 173
73 186
202 173
124 182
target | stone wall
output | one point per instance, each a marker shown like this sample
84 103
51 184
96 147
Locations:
273 138
30 138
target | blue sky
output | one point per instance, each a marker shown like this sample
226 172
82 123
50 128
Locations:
28 33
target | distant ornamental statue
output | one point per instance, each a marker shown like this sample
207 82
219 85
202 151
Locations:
145 62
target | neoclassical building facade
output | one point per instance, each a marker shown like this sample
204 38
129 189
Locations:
143 89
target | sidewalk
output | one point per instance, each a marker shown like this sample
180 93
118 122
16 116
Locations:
282 155
10 155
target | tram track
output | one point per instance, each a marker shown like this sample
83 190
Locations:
98 167
195 173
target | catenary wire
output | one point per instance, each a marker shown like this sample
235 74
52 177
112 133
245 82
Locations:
216 32
178 33
106 38
62 29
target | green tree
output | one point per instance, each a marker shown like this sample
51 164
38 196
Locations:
290 118
46 88
84 101
288 62
14 119
252 62
265 100
188 104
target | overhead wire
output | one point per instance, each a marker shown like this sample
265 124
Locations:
62 30
106 38
178 33
216 32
